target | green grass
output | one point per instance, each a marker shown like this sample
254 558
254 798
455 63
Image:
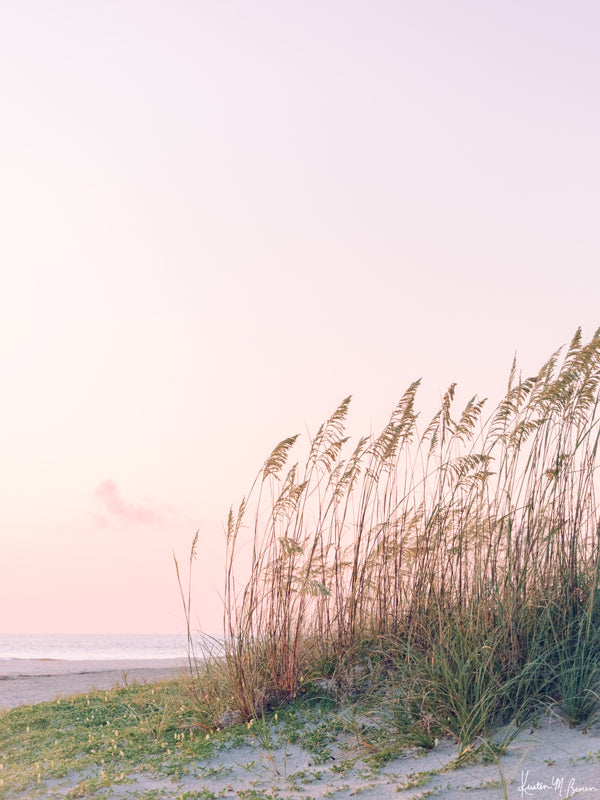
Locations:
104 736
98 744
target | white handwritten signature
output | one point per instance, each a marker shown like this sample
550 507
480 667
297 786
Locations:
564 788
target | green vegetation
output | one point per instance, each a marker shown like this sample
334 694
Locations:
428 583
145 741
104 736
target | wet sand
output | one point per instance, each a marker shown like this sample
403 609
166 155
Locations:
28 681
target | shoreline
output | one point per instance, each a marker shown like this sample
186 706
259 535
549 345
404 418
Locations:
29 681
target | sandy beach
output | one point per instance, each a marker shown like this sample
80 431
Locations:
27 681
546 759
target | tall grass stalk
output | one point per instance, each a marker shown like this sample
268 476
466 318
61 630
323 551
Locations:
186 599
474 539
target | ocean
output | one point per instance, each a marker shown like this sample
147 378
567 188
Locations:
92 646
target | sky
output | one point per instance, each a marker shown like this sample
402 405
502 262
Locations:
218 219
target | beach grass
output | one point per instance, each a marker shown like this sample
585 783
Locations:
456 561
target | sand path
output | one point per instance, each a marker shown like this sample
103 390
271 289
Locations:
26 681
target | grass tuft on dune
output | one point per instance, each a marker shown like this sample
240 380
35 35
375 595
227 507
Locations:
453 564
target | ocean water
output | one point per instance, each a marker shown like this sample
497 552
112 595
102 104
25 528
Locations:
92 647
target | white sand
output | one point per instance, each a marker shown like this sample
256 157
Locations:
548 761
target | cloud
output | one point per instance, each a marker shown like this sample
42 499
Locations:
114 505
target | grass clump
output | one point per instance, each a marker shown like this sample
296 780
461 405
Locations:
456 562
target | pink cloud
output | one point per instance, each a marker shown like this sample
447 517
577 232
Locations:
116 506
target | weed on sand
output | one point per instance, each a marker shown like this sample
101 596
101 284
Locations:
104 737
145 742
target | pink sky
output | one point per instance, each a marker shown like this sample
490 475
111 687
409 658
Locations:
219 219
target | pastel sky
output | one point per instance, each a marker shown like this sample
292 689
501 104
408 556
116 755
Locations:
220 218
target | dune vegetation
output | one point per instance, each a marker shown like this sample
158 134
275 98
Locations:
448 571
435 581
